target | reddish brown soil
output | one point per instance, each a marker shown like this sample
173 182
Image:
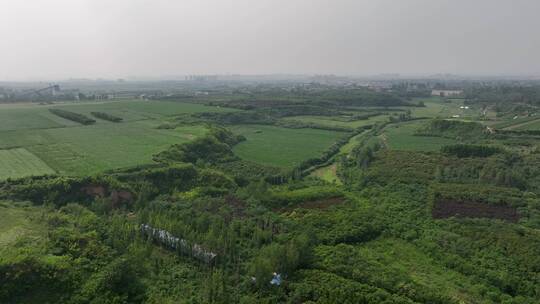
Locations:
94 190
116 196
449 208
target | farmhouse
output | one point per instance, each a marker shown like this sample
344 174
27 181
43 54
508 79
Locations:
446 93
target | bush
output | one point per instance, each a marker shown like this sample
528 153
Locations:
76 117
462 150
105 116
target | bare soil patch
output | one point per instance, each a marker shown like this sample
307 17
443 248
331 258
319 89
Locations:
116 196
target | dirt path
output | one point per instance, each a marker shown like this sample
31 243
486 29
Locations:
512 127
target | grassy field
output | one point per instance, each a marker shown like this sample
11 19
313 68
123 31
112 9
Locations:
437 107
90 149
353 142
282 147
33 116
20 162
401 137
328 174
18 220
34 141
514 124
405 259
336 121
531 125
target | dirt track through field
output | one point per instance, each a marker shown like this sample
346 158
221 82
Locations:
519 125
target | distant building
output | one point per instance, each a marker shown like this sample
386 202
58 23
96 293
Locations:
446 93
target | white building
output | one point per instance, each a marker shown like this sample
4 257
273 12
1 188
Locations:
446 93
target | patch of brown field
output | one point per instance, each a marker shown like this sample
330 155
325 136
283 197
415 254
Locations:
94 190
449 208
116 196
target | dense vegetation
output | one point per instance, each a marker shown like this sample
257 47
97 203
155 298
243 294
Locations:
80 118
106 116
210 220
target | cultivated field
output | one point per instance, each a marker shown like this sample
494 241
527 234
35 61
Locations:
282 147
401 137
336 121
34 141
515 124
20 162
533 124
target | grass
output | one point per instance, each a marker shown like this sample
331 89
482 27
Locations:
34 116
436 107
327 174
282 147
18 220
40 143
336 121
20 162
407 260
26 117
136 110
529 125
91 149
353 142
520 123
401 137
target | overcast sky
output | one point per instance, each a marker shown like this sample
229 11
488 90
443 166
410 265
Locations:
120 38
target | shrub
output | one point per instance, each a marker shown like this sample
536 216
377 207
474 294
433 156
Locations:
462 150
106 116
76 117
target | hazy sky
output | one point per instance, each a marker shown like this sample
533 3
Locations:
119 38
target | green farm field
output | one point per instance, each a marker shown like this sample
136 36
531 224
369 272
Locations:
401 137
436 107
514 124
531 125
20 162
333 121
282 147
36 142
33 116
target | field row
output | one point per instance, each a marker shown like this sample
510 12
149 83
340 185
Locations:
31 116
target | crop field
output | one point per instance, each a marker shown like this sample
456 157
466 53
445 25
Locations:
531 125
401 137
36 142
282 147
520 124
333 121
20 162
435 107
515 124
137 110
33 116
90 149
